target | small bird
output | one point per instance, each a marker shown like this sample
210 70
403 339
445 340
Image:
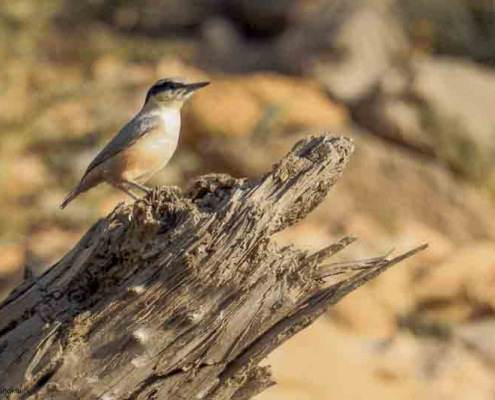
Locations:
144 145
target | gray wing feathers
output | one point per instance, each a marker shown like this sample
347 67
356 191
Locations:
126 137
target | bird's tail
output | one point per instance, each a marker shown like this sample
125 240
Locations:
70 197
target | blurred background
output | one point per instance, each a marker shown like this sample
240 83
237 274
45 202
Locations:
413 82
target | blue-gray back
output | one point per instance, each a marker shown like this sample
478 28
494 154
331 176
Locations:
135 129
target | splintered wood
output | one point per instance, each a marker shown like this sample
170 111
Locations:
181 295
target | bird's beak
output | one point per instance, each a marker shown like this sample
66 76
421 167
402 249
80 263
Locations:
195 86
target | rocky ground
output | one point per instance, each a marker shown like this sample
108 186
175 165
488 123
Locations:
416 100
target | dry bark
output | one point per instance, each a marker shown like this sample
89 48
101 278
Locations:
181 295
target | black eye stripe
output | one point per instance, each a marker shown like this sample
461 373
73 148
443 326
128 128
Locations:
166 85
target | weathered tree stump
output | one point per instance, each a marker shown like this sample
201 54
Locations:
181 295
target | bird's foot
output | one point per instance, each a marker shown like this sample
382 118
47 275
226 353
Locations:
138 186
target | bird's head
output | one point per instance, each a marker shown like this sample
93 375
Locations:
172 92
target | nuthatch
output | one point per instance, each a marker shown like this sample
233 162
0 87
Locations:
144 145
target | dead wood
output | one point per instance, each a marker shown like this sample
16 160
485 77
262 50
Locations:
181 295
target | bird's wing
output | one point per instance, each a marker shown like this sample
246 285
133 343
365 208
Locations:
126 137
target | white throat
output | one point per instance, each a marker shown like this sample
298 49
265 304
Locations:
169 115
170 118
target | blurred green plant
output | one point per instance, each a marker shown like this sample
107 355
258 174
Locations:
455 147
420 326
456 27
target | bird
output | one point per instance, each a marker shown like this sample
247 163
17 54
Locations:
144 145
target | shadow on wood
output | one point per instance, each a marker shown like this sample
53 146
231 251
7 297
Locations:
181 295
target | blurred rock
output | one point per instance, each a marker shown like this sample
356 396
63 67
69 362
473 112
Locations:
463 28
370 41
426 112
236 107
413 102
308 36
302 102
459 120
464 282
212 114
